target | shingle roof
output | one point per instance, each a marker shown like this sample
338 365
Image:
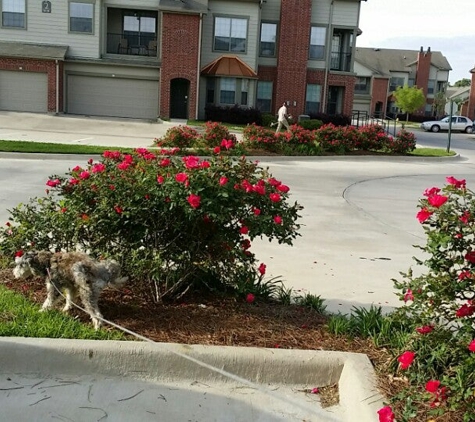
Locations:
228 65
32 51
383 61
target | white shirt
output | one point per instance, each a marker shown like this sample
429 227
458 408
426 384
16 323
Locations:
282 113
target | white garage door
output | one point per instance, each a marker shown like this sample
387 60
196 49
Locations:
115 97
23 91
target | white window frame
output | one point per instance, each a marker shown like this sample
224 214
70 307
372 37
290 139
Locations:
230 27
313 95
316 39
13 6
264 34
230 85
92 18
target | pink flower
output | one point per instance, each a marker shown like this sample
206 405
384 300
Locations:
432 386
244 230
53 183
314 390
181 177
217 150
471 346
256 211
165 162
456 183
124 165
73 181
205 164
278 219
160 179
194 200
437 200
405 360
98 168
408 295
274 197
228 144
283 188
262 269
431 191
77 169
470 257
84 175
223 180
191 162
423 215
386 414
250 298
426 329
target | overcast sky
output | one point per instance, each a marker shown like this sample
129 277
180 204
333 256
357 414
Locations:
445 26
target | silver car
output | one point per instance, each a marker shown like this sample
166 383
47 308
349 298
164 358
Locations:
459 123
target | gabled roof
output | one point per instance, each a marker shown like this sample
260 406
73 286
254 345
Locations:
455 93
32 51
383 61
228 65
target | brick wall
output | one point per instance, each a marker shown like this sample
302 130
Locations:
471 99
180 52
379 93
43 66
293 45
422 73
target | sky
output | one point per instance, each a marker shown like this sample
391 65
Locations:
445 26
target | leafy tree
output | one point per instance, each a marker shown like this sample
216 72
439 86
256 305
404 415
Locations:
463 82
409 99
439 103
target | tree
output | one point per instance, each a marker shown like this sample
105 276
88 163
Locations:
439 103
462 82
409 99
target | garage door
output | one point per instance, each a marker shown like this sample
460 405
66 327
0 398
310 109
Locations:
23 91
115 97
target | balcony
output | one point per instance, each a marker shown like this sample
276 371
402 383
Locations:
340 61
132 33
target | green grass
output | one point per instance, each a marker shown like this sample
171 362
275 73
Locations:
431 152
53 148
21 318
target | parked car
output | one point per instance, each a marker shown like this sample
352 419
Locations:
459 123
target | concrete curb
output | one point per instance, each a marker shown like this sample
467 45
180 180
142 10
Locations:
297 369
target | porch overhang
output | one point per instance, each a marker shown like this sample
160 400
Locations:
229 66
32 51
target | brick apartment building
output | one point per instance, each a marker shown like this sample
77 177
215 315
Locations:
380 71
170 58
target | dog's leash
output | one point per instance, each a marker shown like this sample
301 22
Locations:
313 411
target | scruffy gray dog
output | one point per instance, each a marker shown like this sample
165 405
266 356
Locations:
75 273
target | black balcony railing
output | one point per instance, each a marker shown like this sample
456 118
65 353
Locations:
132 43
340 61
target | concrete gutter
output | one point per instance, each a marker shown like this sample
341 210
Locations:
277 378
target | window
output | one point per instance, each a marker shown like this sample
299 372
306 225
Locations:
411 82
210 87
264 96
362 85
395 82
13 14
139 28
227 93
244 90
268 39
313 98
230 34
430 86
81 17
317 43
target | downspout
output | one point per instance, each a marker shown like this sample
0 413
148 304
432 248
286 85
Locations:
57 86
199 68
327 68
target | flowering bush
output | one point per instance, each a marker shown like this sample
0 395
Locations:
439 358
404 142
215 132
174 222
332 138
373 138
255 136
178 136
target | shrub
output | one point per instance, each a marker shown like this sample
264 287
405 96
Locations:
233 114
403 143
178 136
440 306
331 138
373 138
255 136
267 119
312 124
335 119
173 222
215 133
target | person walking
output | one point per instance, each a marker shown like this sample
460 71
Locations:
282 118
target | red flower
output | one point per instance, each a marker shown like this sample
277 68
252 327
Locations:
314 390
260 189
250 298
246 244
274 182
408 295
217 150
194 200
124 165
98 168
160 179
423 215
228 144
426 329
118 209
53 183
274 197
471 346
63 209
205 165
283 188
262 269
191 162
165 162
470 257
278 219
432 386
77 169
456 183
181 177
19 254
73 181
431 191
84 175
437 200
386 414
465 310
464 274
465 218
405 360
223 180
256 211
244 230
